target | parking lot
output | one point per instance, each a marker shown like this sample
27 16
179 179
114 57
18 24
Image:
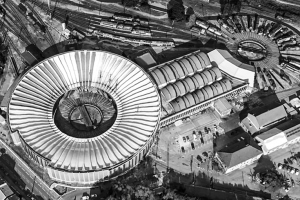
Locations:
180 145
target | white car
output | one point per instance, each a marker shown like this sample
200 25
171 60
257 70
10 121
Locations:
280 166
297 172
292 171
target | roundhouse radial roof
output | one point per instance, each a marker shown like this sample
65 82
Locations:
136 97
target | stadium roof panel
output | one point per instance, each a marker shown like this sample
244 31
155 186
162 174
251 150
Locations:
136 97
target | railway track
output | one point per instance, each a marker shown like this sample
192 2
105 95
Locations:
17 14
49 37
10 25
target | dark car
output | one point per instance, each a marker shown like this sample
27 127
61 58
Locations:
285 167
294 159
205 154
199 159
206 130
209 131
289 161
200 133
193 146
182 150
202 140
187 138
183 138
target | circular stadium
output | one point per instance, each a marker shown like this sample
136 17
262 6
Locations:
86 116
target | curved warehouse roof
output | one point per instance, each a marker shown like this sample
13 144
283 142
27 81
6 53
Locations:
200 95
190 83
135 95
183 67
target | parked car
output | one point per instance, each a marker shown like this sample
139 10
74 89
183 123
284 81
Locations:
279 166
285 167
187 138
199 158
200 133
206 130
293 182
192 145
183 138
289 161
292 170
182 150
294 159
297 172
202 140
209 130
285 161
205 154
289 169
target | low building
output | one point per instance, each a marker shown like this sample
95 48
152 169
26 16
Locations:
295 102
5 191
145 60
222 107
279 137
261 118
240 153
32 54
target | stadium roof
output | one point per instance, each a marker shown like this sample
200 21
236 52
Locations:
136 97
232 66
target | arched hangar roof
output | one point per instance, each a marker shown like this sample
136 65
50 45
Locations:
200 95
183 67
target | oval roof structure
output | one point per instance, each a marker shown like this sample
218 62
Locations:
135 95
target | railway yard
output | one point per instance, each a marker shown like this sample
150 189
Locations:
34 30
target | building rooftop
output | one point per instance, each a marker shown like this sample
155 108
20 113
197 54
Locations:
283 127
243 149
222 104
145 60
5 191
262 116
231 66
271 116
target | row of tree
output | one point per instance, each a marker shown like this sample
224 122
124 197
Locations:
3 55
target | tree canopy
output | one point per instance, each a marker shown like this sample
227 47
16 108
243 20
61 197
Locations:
177 12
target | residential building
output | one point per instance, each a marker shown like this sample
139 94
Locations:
279 137
261 118
240 153
222 107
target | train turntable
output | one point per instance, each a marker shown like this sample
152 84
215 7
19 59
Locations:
258 40
259 49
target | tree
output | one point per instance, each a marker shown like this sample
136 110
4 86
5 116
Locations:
130 3
177 12
189 11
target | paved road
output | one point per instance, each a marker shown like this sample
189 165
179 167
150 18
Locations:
11 179
29 177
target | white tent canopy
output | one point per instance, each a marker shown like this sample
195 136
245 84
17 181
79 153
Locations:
232 66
